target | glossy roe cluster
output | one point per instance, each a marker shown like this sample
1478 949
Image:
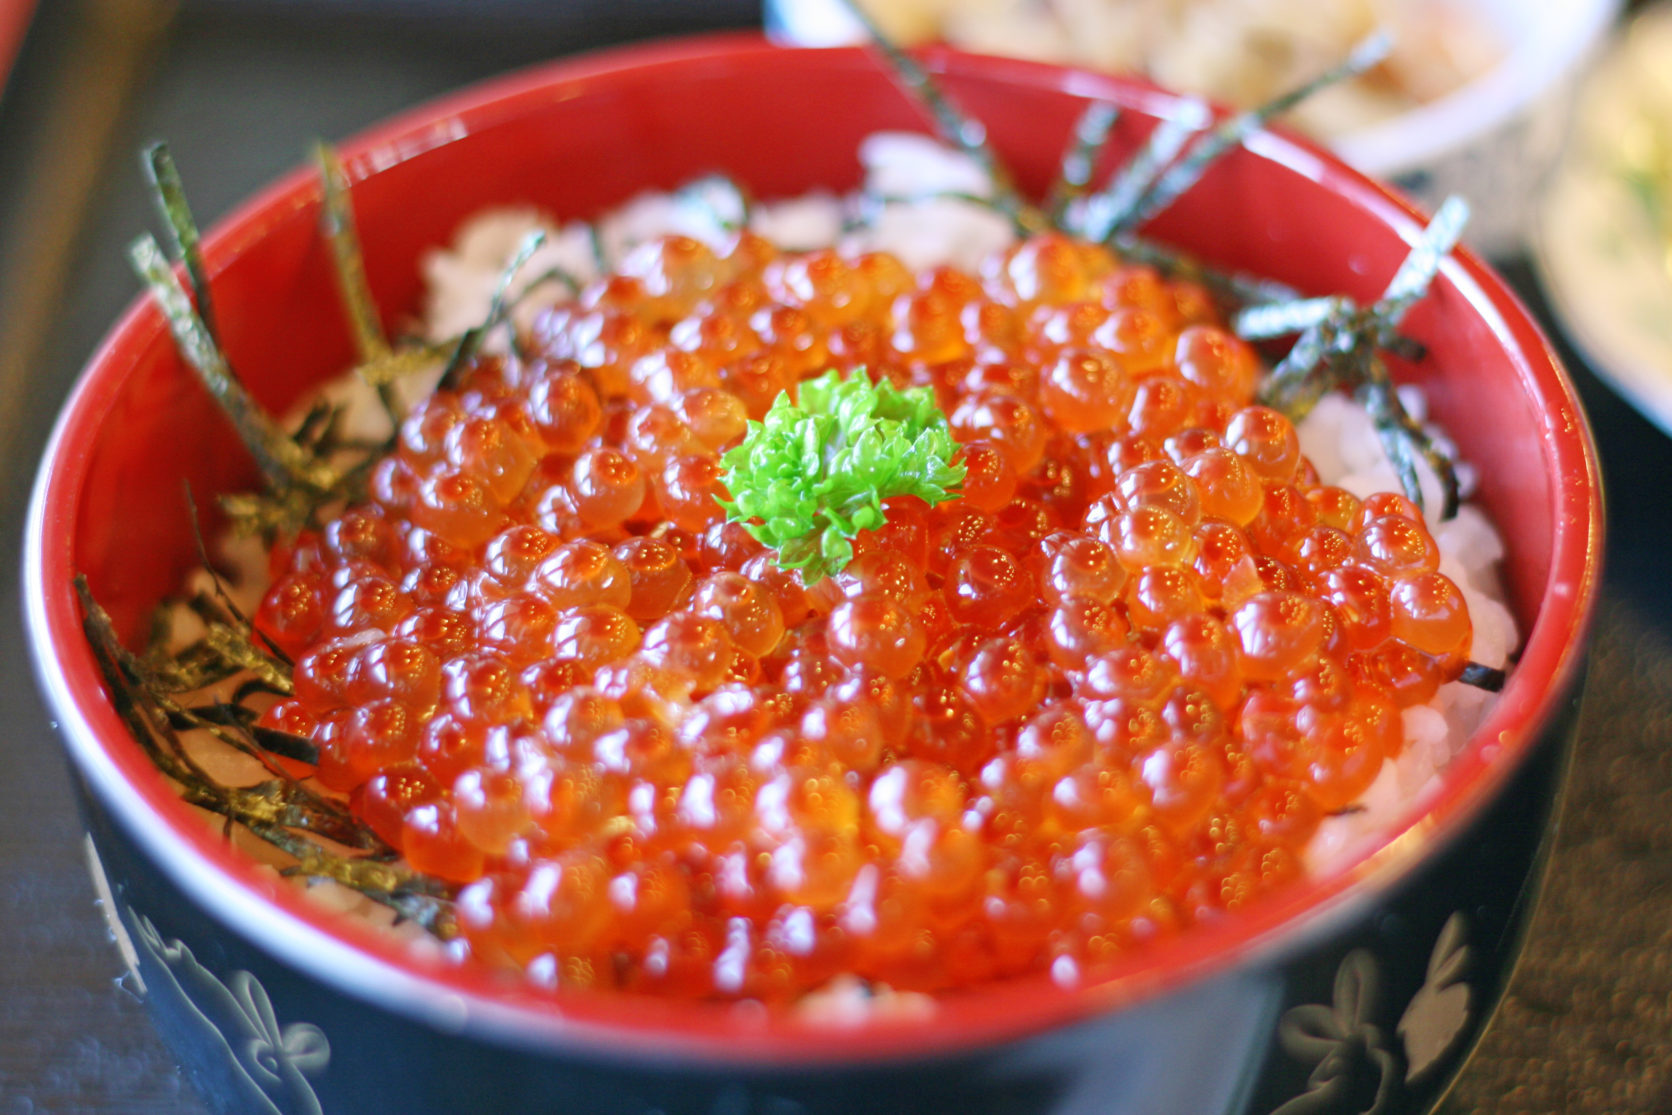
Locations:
1109 692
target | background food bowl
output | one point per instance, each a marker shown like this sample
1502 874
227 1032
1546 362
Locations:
1369 984
1491 140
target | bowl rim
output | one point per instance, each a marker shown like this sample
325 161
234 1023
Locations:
355 959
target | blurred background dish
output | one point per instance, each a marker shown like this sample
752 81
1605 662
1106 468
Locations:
1603 237
1472 100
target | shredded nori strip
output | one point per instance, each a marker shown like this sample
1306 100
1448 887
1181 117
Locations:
1091 136
337 220
282 461
281 811
1339 345
1115 208
1174 181
471 343
170 196
964 132
1488 678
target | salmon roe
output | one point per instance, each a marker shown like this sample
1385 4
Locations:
1109 694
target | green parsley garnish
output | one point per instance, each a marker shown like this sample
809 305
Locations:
815 472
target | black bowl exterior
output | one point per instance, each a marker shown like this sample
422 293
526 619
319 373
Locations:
1372 1012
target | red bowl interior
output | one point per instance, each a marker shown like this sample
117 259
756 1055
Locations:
580 136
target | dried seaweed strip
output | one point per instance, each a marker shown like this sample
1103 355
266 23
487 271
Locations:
600 254
286 802
217 727
170 195
1404 439
250 687
1305 374
233 646
1416 273
1338 347
1406 348
1489 678
272 667
1381 400
218 607
1313 366
1341 354
1115 207
1233 131
282 461
124 675
415 897
285 745
194 668
1328 353
1279 319
286 464
316 426
558 275
278 811
407 360
320 428
336 216
875 202
498 307
266 514
224 712
1088 141
966 133
136 689
1295 396
342 234
1234 287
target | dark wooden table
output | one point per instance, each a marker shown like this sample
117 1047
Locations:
240 88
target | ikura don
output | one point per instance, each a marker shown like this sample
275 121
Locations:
1107 688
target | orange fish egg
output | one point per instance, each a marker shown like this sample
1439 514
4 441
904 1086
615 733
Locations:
1145 651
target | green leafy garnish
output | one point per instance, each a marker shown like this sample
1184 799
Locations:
815 472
